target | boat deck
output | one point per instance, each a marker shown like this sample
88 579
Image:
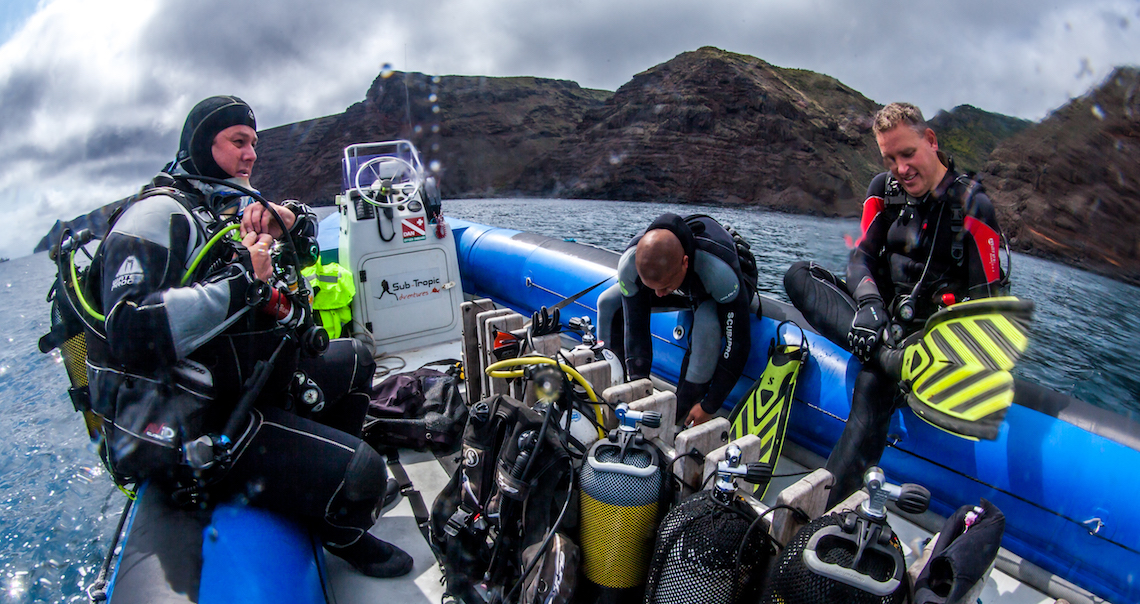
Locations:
423 585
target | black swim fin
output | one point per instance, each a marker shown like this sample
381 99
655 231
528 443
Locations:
958 374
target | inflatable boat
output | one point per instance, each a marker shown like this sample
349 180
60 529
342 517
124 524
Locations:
1063 472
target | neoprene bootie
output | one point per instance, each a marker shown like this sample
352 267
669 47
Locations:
375 558
963 556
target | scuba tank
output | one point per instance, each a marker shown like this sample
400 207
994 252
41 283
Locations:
587 421
621 488
601 353
851 556
713 547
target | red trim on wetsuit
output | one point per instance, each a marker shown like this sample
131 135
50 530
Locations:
987 241
871 208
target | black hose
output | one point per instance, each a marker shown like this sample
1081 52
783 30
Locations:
549 535
252 388
256 196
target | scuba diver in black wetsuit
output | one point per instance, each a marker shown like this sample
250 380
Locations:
197 324
693 263
930 239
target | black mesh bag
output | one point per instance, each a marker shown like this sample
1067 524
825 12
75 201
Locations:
793 582
699 555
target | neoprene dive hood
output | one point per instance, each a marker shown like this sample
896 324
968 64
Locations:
203 123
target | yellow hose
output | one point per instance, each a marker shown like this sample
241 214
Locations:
495 370
209 244
79 294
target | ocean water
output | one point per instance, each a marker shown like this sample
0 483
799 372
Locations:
58 508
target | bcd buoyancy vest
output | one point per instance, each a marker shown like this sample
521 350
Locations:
504 498
78 330
920 279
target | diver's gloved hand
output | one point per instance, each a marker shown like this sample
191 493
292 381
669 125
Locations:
865 328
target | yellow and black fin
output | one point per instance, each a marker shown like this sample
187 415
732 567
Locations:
764 410
958 374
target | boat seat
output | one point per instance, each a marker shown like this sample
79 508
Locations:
161 561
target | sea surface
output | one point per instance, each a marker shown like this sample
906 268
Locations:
58 508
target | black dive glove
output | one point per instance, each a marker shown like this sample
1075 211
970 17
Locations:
869 321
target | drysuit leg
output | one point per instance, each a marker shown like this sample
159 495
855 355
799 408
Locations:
344 375
823 299
306 470
865 436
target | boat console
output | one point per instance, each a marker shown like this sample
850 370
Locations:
401 253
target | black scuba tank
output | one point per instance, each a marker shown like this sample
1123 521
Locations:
713 547
850 557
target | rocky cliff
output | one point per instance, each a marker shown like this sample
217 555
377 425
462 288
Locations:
475 132
714 126
1069 187
970 134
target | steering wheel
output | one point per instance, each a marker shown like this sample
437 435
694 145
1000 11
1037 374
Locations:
387 181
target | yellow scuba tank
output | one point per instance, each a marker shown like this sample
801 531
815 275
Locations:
621 488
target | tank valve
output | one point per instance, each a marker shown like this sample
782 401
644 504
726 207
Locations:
731 468
911 498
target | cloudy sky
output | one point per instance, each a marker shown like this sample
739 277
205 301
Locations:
93 92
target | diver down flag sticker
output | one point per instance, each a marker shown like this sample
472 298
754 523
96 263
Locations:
414 229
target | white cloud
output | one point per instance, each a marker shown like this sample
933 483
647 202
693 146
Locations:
93 93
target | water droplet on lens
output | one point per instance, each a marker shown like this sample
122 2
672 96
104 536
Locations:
1097 112
418 128
435 79
386 70
435 108
433 97
434 166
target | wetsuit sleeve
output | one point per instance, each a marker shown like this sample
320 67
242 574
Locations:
627 273
720 280
865 258
636 307
734 321
151 320
717 353
984 265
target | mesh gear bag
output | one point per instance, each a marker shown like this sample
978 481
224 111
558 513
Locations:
701 554
792 582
